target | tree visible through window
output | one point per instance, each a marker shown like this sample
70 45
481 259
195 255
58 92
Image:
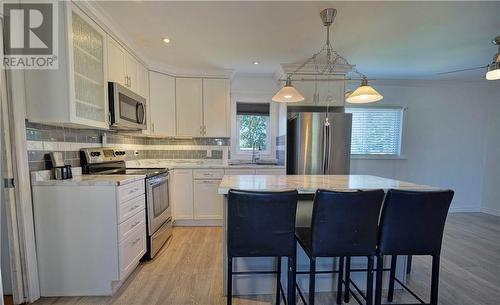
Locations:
253 131
253 126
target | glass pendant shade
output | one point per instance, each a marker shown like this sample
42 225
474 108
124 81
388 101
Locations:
364 94
494 70
288 94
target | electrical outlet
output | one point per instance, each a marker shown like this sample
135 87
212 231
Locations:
209 153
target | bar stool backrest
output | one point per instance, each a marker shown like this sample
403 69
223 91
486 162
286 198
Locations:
261 223
412 222
345 223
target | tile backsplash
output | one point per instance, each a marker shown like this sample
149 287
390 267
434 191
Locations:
43 139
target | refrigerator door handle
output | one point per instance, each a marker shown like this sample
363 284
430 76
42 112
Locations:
326 148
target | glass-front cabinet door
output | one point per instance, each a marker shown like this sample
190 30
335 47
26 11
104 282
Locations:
88 44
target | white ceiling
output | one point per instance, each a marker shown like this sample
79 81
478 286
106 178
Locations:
393 40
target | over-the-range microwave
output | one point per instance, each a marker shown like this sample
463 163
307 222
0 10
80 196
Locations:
127 109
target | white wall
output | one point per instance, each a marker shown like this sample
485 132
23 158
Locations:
491 177
444 138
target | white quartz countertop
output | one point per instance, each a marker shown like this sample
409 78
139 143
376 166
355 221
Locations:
192 164
90 180
308 184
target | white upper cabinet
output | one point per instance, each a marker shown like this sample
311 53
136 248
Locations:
76 93
215 107
188 107
116 62
143 81
202 107
124 69
162 104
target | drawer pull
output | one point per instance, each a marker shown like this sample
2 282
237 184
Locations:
133 190
136 241
134 207
135 225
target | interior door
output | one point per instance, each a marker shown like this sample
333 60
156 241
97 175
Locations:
11 281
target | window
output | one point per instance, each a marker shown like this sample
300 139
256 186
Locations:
253 122
376 130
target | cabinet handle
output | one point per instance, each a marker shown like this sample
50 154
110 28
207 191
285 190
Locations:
136 241
133 190
126 81
134 207
135 225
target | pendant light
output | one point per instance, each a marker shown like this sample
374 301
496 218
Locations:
364 94
325 62
494 68
288 94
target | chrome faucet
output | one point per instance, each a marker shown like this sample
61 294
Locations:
255 154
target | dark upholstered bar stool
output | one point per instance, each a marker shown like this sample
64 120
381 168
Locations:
412 223
343 224
262 224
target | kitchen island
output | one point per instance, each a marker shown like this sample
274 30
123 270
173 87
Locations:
306 185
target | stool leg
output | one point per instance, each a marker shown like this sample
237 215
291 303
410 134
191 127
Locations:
408 264
392 276
339 280
312 279
278 280
347 293
435 279
369 281
291 281
229 280
378 282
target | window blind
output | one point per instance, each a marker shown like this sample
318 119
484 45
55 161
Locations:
252 109
376 130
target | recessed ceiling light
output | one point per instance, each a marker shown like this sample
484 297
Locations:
256 62
166 40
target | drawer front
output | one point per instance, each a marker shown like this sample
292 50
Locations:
126 228
130 190
270 171
131 207
131 250
208 174
240 171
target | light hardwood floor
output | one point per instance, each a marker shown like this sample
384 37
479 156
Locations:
188 271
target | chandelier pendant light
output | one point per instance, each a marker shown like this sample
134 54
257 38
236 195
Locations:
364 94
288 94
494 68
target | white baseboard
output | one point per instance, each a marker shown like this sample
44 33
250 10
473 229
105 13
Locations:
197 223
490 211
465 209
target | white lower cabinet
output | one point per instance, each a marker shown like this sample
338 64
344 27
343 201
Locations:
207 202
89 238
195 197
270 171
182 194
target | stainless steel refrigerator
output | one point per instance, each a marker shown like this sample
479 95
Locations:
319 143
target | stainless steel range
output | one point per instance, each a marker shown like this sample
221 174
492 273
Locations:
109 161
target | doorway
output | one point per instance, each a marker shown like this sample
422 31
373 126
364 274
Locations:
11 282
